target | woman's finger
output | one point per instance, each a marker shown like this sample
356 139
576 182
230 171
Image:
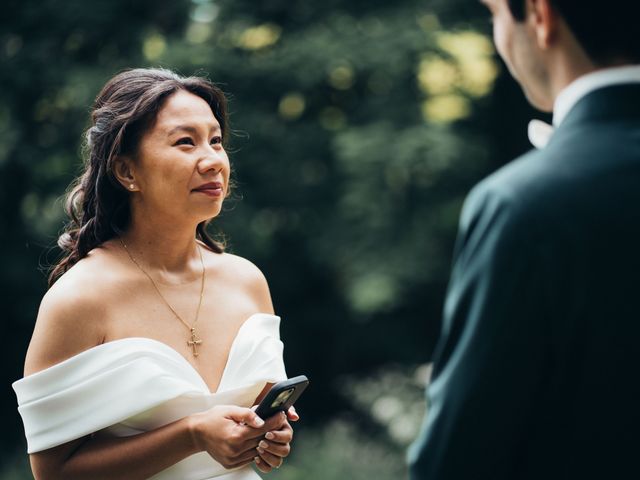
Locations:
242 461
292 414
280 436
235 461
263 466
274 461
278 449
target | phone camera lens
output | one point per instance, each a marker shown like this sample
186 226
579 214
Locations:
282 398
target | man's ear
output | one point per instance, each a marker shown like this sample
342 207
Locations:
543 19
123 170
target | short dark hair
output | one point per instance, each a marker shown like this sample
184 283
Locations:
606 30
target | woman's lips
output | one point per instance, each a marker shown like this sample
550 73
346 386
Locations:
211 189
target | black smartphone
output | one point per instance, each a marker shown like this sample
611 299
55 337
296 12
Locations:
281 396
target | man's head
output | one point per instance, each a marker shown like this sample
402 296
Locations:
606 30
548 43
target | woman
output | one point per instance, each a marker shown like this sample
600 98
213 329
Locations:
152 342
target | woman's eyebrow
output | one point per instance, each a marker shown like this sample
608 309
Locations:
190 129
184 128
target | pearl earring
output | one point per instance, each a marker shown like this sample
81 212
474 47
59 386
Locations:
131 186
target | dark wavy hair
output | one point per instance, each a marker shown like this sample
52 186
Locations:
97 204
606 30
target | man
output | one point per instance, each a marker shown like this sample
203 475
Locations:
537 371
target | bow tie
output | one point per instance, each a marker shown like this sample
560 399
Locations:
539 133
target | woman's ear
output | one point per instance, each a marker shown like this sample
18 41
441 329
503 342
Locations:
124 173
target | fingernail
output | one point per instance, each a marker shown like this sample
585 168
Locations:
258 422
263 444
269 436
256 459
260 450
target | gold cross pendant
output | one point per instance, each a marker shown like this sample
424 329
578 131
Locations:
194 342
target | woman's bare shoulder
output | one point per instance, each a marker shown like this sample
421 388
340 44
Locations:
244 269
72 313
246 276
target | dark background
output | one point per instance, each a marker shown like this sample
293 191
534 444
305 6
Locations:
359 127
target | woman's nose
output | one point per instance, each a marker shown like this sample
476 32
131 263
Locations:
213 160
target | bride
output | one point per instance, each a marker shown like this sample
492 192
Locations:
152 344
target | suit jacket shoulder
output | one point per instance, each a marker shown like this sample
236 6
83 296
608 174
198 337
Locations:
541 315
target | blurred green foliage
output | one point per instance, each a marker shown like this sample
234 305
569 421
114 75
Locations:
359 126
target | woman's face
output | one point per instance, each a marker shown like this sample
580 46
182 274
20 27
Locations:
181 170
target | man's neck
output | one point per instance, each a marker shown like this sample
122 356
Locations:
566 65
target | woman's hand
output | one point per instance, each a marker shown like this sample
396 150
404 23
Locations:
276 446
231 434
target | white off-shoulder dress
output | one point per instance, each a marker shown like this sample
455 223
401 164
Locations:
134 385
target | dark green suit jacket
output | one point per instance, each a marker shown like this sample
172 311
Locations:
537 371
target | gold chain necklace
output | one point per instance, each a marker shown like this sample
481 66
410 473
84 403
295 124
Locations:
194 342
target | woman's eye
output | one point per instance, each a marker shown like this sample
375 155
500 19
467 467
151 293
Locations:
184 141
216 140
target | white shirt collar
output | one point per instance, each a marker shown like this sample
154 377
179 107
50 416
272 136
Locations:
540 132
585 84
